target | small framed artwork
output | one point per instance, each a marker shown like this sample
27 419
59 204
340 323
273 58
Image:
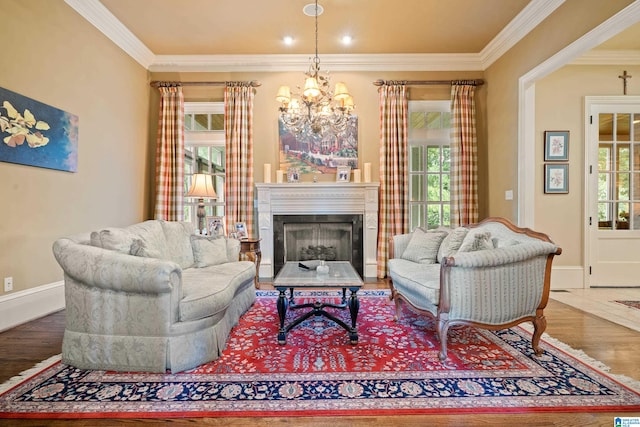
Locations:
215 226
241 231
343 173
556 145
293 175
556 179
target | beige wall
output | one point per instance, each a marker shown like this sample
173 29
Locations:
53 55
365 93
560 106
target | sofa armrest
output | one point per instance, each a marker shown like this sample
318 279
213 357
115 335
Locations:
501 256
115 271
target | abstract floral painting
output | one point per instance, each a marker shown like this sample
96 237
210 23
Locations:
36 134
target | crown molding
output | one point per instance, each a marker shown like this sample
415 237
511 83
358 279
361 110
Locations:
100 17
529 18
335 62
608 57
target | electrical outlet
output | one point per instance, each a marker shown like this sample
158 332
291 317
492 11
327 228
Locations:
8 284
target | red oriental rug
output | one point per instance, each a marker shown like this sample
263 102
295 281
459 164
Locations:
632 304
394 369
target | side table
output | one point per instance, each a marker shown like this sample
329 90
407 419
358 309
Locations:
250 249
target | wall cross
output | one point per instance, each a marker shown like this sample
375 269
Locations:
624 78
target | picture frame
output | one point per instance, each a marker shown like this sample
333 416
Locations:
556 145
215 226
241 231
293 175
556 178
343 173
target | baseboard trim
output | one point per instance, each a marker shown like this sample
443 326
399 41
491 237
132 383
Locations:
23 306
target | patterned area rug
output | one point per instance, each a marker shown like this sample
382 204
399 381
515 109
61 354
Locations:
394 369
632 304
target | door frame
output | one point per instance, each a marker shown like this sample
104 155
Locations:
590 172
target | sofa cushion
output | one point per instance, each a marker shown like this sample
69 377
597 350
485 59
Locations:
115 239
418 282
150 241
452 242
209 250
209 291
476 241
179 246
423 246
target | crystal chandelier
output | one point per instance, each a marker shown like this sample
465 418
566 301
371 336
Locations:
317 109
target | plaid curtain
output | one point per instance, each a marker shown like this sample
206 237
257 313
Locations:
170 155
238 127
464 156
393 197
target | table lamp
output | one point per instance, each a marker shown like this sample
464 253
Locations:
202 187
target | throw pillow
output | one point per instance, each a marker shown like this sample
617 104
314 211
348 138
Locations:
452 242
208 250
476 241
115 239
423 246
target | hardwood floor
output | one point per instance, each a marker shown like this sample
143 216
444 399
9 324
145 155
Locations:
616 346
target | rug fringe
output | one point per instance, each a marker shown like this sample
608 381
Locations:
630 382
24 375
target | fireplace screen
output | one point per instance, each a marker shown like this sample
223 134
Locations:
307 237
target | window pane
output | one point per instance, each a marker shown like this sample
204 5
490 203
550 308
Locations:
604 157
635 216
415 159
446 214
606 127
624 152
623 122
433 188
446 194
604 188
433 216
417 193
416 120
622 222
434 120
433 159
217 122
446 159
636 127
622 187
417 213
201 122
604 211
188 122
636 157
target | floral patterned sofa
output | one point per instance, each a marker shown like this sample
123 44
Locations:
491 275
150 297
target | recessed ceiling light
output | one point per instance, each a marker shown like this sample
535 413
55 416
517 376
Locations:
346 40
288 40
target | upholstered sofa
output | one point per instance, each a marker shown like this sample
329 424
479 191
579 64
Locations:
491 275
151 297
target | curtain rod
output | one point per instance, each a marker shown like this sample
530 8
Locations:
252 83
475 82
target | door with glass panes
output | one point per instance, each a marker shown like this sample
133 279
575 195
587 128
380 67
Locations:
613 191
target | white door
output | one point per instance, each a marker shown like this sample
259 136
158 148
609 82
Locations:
613 191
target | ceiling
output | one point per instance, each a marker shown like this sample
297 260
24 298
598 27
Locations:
457 34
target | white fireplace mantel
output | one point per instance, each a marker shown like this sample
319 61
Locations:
317 199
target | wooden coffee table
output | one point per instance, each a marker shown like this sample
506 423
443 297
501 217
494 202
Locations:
341 275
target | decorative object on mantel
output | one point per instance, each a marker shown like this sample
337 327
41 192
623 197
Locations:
202 187
50 134
343 173
267 173
293 175
316 109
356 175
367 172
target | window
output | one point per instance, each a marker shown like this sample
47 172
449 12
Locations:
429 161
619 171
204 152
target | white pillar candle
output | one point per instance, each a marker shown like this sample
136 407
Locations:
356 175
279 176
367 172
267 172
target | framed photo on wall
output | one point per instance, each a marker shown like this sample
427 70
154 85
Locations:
556 179
556 146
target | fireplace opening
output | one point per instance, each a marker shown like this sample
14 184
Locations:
307 237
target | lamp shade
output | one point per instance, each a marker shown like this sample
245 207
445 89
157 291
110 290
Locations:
202 186
284 95
311 88
341 91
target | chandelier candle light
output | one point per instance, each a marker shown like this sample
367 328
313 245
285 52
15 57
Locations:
315 109
202 187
